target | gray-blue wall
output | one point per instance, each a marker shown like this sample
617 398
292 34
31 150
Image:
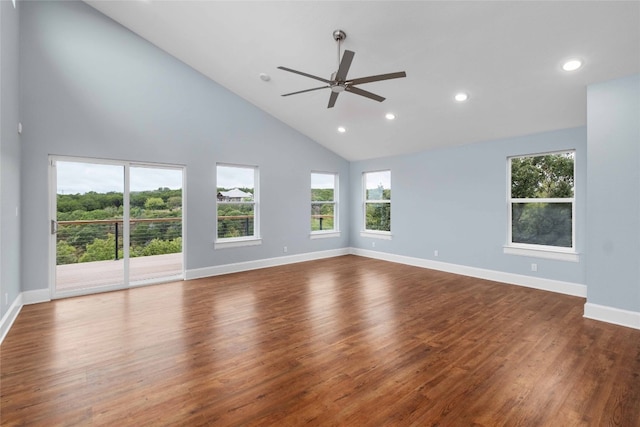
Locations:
9 158
92 88
454 201
613 194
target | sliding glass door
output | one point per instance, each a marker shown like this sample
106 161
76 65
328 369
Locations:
155 224
114 225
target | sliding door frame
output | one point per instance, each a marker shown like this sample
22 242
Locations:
126 228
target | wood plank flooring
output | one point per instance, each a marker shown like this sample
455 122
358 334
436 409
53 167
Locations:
347 341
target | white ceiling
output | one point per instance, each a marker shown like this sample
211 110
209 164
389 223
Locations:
506 54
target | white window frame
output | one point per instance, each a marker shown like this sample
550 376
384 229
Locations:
535 250
255 239
335 232
376 234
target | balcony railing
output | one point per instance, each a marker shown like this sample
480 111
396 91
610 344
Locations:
235 226
321 219
101 228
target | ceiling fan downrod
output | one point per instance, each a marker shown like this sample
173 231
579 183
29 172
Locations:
339 35
337 87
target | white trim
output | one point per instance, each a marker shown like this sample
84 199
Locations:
24 298
36 297
263 263
384 235
255 202
336 199
543 253
156 281
366 201
323 234
617 316
126 166
10 316
568 288
238 242
511 201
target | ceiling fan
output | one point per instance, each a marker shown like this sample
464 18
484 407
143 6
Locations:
339 82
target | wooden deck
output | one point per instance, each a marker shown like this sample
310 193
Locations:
106 273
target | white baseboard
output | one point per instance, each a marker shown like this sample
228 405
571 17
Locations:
35 297
561 287
24 298
592 311
262 263
10 317
617 316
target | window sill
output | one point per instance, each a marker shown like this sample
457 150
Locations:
324 234
384 235
559 255
237 242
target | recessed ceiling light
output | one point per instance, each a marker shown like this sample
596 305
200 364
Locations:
461 96
390 116
572 65
342 129
265 77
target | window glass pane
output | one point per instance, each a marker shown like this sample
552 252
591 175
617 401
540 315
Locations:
378 216
322 187
235 220
542 224
378 185
322 216
235 201
548 176
241 178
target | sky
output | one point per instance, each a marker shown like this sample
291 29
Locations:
235 177
79 178
322 180
376 178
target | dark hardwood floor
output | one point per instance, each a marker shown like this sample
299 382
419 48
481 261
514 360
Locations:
346 341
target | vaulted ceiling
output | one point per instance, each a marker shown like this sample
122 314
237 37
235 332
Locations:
506 55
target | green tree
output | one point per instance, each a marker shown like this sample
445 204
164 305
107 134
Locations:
65 253
549 176
174 202
321 194
542 177
100 250
158 247
154 203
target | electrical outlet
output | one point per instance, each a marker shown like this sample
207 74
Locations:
534 267
435 253
6 298
373 244
284 249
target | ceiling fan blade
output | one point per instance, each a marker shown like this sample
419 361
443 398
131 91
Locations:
377 78
311 76
345 64
332 99
361 92
306 90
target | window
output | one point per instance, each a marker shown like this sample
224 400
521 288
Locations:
377 202
237 205
324 205
541 202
